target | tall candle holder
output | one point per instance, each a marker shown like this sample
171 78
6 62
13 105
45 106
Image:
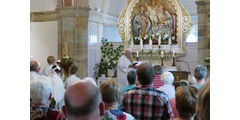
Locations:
173 61
162 64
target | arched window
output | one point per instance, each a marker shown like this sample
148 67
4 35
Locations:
193 34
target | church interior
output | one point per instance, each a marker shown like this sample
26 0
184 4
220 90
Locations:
98 40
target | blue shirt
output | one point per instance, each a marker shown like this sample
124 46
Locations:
124 90
197 86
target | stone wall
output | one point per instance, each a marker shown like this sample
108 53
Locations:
73 34
203 8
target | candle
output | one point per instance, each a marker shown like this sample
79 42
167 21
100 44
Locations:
159 40
59 60
173 53
162 54
150 43
137 54
141 44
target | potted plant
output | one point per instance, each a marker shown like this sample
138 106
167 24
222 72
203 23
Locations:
109 59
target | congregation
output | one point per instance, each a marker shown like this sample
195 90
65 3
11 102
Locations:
150 95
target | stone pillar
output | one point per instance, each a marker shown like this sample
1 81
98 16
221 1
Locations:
203 9
73 33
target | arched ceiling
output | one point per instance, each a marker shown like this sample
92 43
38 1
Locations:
114 7
110 7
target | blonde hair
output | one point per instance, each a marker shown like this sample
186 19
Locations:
51 59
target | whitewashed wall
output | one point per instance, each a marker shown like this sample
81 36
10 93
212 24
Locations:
43 35
43 41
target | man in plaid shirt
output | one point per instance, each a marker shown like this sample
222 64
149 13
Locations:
144 102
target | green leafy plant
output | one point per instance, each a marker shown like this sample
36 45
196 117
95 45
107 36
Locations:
109 59
207 60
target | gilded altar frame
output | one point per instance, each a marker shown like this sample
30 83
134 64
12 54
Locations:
183 26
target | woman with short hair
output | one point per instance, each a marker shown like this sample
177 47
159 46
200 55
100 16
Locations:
110 95
41 95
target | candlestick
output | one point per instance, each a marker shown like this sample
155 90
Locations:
173 62
162 61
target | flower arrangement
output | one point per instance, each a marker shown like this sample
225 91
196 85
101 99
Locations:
65 63
109 59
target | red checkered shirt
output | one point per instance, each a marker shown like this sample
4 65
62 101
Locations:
146 103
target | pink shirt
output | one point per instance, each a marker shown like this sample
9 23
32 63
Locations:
157 82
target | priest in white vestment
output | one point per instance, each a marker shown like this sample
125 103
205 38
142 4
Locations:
72 78
48 69
58 89
124 65
34 69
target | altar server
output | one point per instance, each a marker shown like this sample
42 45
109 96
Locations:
124 65
58 87
48 69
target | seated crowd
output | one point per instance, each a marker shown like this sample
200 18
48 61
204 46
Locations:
150 95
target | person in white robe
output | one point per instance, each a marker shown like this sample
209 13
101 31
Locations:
34 69
72 78
58 89
48 69
124 65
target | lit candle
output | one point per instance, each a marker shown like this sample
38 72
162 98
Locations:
137 54
159 40
150 44
59 60
141 44
162 54
173 53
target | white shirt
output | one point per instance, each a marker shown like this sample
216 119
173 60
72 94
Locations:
47 70
58 90
122 71
168 89
71 79
33 75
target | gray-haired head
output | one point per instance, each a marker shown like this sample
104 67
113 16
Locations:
34 65
200 72
167 78
40 90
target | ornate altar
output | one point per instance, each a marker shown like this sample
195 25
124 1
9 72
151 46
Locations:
154 25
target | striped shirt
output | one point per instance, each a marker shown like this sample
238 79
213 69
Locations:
146 103
157 82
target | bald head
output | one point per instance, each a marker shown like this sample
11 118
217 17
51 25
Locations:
127 53
34 66
82 99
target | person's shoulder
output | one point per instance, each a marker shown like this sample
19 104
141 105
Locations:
197 86
122 115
